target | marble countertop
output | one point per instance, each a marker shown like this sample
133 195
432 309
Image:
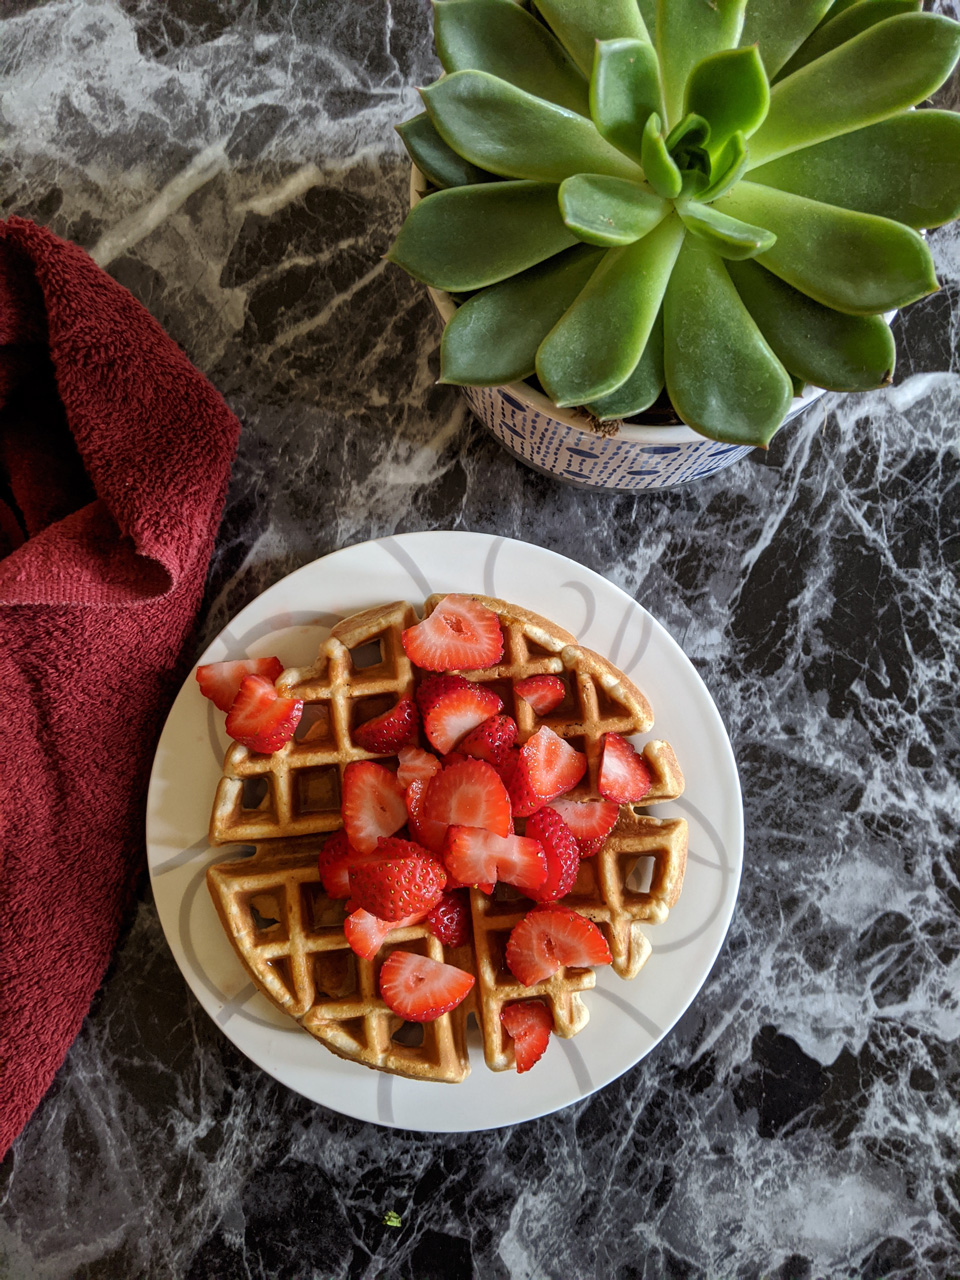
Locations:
233 164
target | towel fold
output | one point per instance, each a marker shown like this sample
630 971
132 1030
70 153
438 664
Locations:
115 455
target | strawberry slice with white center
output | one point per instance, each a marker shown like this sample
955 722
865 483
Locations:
480 858
624 774
419 989
372 804
260 719
547 939
366 932
415 763
561 851
492 740
388 732
454 714
528 1023
469 794
548 767
591 821
543 693
460 635
220 681
396 887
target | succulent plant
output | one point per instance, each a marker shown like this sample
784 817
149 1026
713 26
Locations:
718 197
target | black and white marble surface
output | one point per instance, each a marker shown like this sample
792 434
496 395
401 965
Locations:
232 162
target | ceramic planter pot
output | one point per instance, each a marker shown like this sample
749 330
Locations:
644 454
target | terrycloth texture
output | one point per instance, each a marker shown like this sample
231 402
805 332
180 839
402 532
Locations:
114 460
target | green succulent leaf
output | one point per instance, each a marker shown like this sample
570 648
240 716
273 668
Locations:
505 130
854 262
877 74
648 12
642 387
499 37
659 166
579 26
494 336
687 32
577 363
624 92
609 211
721 375
819 345
837 30
729 89
906 168
435 160
469 237
729 237
779 27
728 168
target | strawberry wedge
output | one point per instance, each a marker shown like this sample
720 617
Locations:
591 821
220 681
624 774
528 1023
469 794
366 932
548 767
456 713
481 858
372 804
260 718
419 989
548 938
460 635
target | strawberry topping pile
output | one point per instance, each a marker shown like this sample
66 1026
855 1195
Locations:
441 817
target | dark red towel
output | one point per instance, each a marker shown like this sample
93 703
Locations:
114 459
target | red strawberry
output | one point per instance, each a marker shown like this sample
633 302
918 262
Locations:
372 803
220 681
469 794
426 832
334 864
433 687
591 821
544 693
456 712
398 887
624 774
416 763
419 989
450 919
528 1023
460 635
391 731
562 854
546 939
366 933
491 740
507 767
548 767
481 858
260 718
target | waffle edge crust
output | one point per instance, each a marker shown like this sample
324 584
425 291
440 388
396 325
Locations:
289 935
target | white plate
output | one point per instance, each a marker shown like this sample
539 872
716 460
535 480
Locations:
626 1018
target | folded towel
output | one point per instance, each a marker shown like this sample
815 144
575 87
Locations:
115 454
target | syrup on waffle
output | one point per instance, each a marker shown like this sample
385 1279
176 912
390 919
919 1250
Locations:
289 934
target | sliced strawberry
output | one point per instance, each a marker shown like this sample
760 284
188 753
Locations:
591 821
426 832
398 887
334 864
546 939
507 767
562 854
450 919
419 989
260 718
460 635
469 794
220 681
456 712
372 803
366 933
624 774
544 693
415 763
391 731
491 740
480 858
528 1023
548 767
433 687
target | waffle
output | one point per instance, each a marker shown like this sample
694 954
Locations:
290 936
